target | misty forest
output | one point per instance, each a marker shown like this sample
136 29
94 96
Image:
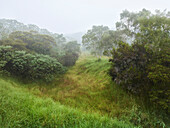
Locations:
102 78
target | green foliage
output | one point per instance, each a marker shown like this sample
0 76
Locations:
9 26
155 31
129 22
143 23
146 120
110 39
159 75
85 88
69 59
5 55
32 39
143 72
144 66
140 70
92 39
35 42
129 66
72 50
29 66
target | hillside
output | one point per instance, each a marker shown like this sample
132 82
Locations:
83 97
66 67
8 26
62 104
20 109
88 86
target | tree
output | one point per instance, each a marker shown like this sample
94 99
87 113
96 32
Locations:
131 22
143 67
30 41
128 23
9 26
72 46
72 50
155 30
110 39
92 39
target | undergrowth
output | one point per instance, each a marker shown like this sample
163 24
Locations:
87 87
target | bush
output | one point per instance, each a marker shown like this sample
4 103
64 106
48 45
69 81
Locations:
129 66
159 75
142 71
29 66
72 50
69 59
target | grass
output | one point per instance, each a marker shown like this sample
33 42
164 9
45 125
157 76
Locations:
84 97
87 86
20 109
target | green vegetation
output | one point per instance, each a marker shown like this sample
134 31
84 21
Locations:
35 56
8 26
99 40
42 84
29 66
144 66
92 39
88 88
20 109
37 41
72 50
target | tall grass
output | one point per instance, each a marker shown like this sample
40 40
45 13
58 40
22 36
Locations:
85 88
20 109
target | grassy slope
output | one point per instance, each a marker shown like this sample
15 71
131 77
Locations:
88 86
85 88
19 108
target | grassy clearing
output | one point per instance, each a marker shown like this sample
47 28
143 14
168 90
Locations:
87 86
20 109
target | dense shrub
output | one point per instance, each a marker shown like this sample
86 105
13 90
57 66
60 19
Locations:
32 42
129 65
69 59
72 50
159 75
29 66
142 71
144 66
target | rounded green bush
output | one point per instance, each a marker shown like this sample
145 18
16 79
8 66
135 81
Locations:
29 66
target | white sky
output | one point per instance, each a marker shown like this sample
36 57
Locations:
70 16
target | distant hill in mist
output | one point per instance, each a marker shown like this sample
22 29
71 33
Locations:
75 36
7 26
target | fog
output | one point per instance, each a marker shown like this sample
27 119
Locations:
70 16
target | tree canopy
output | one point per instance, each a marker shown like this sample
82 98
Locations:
92 39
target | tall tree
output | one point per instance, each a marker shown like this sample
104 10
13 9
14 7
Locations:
30 41
129 22
92 39
110 39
